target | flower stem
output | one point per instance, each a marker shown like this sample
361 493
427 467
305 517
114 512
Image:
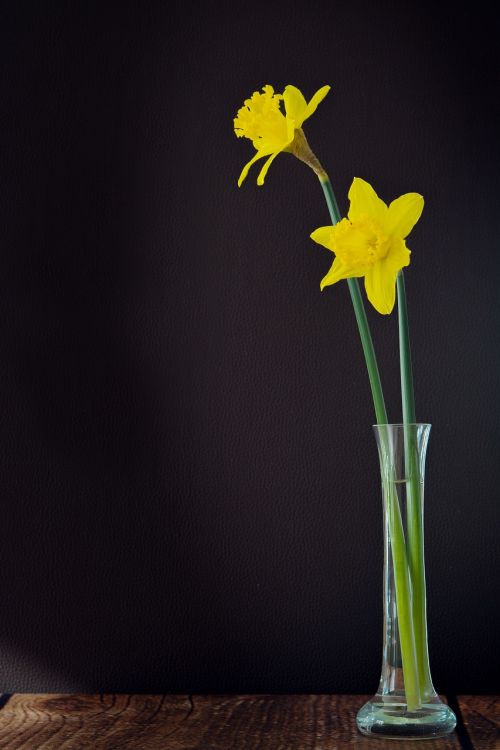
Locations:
359 311
407 394
403 587
414 498
398 546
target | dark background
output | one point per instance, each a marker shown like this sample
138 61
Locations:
189 482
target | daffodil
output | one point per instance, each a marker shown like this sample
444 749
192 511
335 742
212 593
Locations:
371 242
272 131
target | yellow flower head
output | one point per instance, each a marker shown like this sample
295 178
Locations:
371 242
271 131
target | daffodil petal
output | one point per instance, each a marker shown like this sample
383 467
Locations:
340 271
263 171
403 214
365 202
295 105
380 286
244 171
323 236
315 100
290 131
398 256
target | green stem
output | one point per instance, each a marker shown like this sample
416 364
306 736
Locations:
403 596
407 393
398 547
414 498
359 311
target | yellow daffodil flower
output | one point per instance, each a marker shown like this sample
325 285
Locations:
271 131
371 242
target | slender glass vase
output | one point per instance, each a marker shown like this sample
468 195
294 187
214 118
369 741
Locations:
406 704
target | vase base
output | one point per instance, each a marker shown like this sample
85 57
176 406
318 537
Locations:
386 717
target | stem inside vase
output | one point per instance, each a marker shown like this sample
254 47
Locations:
406 704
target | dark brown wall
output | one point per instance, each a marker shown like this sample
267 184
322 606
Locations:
189 483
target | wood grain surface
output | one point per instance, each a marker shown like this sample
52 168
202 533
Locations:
481 718
46 721
213 722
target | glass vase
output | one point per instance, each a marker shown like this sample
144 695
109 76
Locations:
406 704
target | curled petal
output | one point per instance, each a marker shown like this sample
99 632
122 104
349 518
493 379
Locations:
316 99
323 236
290 133
340 271
295 105
403 214
263 171
398 256
365 202
244 171
380 286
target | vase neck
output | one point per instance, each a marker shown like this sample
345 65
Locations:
405 665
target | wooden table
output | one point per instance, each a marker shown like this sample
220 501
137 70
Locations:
219 722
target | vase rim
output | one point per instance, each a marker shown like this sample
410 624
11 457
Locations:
402 424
